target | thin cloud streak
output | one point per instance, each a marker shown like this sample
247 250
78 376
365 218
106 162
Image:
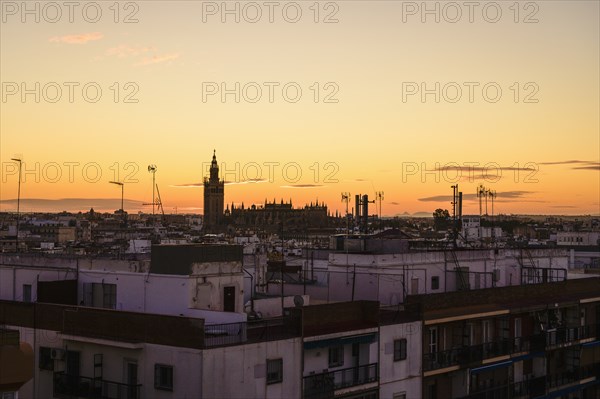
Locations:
302 186
249 181
123 51
472 197
66 200
73 204
187 185
227 183
488 177
157 59
581 165
570 162
77 39
479 169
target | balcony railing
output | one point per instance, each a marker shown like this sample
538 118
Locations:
252 331
570 376
323 385
475 353
536 386
71 386
224 334
565 335
531 387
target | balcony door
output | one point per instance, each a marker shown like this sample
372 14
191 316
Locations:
518 332
72 366
414 286
229 299
131 378
433 344
356 362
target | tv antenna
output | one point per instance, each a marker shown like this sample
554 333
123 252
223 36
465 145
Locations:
346 199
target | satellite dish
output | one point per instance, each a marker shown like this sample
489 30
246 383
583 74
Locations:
298 301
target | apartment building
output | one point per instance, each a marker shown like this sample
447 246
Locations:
175 327
523 341
91 352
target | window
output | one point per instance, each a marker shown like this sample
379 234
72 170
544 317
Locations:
274 371
399 395
435 283
431 392
433 341
100 295
98 363
46 362
26 292
470 335
110 296
518 332
487 333
336 356
163 377
399 349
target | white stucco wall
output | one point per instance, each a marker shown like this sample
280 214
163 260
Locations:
402 375
240 371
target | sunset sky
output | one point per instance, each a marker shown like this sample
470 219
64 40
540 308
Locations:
366 63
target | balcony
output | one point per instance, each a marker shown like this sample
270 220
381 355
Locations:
528 388
467 355
324 385
470 354
571 376
536 386
566 335
71 386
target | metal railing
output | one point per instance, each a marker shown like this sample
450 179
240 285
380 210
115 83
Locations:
570 376
468 354
225 334
252 331
72 386
324 384
535 386
565 335
475 353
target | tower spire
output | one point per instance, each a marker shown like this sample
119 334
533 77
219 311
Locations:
214 196
214 168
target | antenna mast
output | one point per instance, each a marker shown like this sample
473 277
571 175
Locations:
379 197
152 169
346 199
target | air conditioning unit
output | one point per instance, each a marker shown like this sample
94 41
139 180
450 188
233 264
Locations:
57 354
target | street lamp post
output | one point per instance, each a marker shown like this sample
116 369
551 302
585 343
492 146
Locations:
18 202
122 189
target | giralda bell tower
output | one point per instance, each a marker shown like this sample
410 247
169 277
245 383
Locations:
214 197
